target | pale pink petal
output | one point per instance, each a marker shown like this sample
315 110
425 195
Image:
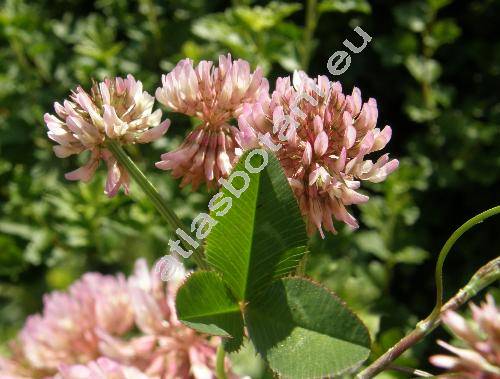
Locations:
84 173
154 133
321 144
444 361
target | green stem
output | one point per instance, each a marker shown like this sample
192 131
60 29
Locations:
153 194
413 372
446 249
152 16
482 278
310 26
220 360
485 276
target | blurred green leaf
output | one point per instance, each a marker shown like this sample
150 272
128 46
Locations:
261 18
258 34
372 242
424 70
411 255
438 4
393 50
11 257
442 32
344 6
414 15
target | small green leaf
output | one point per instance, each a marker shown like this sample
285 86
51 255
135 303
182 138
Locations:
394 49
373 243
260 18
413 15
304 331
205 304
411 255
438 4
262 237
240 29
442 32
424 70
344 6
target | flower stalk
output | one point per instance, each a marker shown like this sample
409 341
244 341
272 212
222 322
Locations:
482 278
411 371
485 276
220 362
310 26
446 249
152 193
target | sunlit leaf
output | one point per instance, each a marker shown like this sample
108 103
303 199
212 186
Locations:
262 236
204 303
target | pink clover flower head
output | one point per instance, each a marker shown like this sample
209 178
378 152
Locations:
214 95
115 109
102 368
322 138
86 332
66 330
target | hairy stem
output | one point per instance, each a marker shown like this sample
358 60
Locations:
411 371
152 193
486 275
220 360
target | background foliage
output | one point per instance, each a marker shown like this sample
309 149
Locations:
433 66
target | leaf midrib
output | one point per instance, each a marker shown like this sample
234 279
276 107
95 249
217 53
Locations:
247 271
223 312
299 325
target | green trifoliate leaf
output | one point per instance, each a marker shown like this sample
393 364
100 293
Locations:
304 331
205 304
262 236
